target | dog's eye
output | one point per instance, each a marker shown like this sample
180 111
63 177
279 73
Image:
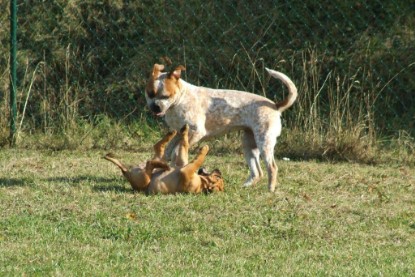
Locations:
164 97
216 179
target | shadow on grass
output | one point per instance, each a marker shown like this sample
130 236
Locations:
97 183
14 182
116 189
103 184
80 179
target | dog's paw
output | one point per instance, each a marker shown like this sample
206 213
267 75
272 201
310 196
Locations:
204 150
184 129
271 188
247 185
171 133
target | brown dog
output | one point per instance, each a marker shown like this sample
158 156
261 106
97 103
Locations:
156 176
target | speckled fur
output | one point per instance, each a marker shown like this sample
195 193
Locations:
210 112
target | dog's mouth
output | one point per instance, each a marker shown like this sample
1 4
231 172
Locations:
156 110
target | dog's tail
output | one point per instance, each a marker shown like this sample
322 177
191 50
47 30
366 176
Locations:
292 90
110 157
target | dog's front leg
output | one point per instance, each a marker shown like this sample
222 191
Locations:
195 137
172 149
197 131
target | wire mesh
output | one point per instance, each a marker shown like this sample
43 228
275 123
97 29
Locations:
83 59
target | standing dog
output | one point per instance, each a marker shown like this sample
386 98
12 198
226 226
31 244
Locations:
210 112
156 176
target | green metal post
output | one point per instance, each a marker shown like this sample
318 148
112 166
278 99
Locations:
13 75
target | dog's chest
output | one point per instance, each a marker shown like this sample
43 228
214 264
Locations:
177 117
191 110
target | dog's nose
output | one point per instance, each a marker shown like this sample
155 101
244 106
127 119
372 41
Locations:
155 108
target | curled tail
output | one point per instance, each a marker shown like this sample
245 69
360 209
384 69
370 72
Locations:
292 90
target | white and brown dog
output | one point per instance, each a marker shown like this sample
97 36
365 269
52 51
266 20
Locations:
210 112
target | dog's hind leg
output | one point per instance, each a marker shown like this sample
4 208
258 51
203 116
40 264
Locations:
252 153
148 171
272 170
160 146
190 169
267 151
151 165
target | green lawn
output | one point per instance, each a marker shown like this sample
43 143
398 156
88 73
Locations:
72 213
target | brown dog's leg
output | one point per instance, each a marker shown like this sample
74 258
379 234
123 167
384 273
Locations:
160 146
150 166
109 157
183 155
190 169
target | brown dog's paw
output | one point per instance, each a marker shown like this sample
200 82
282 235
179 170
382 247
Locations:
171 134
204 150
184 129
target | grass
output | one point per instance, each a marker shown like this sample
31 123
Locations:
71 213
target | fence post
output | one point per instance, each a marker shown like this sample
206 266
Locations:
13 76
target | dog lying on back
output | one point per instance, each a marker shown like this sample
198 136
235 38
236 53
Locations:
156 176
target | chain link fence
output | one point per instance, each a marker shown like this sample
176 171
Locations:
82 59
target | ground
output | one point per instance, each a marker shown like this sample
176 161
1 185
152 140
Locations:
72 213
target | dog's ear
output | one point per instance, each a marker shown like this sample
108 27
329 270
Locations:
166 60
202 171
217 171
157 68
177 72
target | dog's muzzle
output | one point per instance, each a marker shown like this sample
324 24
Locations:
155 108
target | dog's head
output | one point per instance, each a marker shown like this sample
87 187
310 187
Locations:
163 88
212 181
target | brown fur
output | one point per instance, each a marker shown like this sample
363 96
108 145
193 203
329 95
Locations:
158 177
